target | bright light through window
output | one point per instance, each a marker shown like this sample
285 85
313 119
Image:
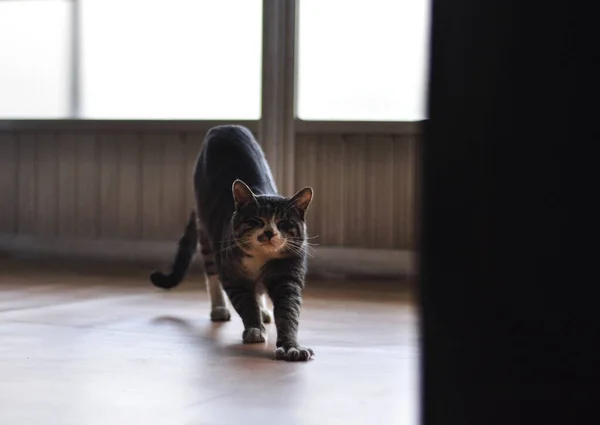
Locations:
363 60
35 59
171 59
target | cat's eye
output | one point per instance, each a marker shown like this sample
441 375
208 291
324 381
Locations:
285 225
253 222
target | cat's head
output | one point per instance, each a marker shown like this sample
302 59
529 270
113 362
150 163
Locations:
270 225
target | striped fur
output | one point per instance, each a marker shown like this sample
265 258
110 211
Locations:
252 240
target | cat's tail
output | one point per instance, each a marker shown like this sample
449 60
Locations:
188 244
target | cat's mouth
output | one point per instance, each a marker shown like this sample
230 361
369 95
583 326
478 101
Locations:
272 245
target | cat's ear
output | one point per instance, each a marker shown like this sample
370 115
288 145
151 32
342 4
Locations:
241 194
302 199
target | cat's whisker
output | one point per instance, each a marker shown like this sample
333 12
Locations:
227 248
300 248
310 249
303 238
302 242
298 252
291 246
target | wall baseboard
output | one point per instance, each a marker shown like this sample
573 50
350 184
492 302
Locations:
326 261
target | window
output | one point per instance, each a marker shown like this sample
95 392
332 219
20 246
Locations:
362 60
358 60
35 59
171 59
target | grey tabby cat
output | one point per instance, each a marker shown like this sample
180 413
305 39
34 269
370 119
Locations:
253 241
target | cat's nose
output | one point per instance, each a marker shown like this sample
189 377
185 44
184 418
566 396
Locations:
269 234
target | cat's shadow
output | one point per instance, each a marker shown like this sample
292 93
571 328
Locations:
207 338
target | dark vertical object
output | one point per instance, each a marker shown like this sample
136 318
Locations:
500 287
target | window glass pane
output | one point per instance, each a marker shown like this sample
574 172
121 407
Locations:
34 58
171 59
363 60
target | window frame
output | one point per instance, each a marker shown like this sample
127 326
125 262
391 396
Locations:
280 22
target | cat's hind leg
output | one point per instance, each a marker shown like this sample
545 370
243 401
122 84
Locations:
218 311
265 312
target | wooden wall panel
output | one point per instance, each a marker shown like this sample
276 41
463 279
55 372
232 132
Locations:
356 224
176 185
67 184
87 178
46 184
364 189
9 157
193 143
380 192
152 155
110 183
26 185
308 171
130 189
332 166
404 178
137 185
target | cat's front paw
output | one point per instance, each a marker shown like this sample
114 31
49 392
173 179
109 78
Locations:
220 314
253 336
293 353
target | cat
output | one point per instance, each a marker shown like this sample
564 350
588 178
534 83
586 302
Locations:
253 241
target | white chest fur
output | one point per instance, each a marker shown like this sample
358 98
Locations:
253 265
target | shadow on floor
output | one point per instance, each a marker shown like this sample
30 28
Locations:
208 337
